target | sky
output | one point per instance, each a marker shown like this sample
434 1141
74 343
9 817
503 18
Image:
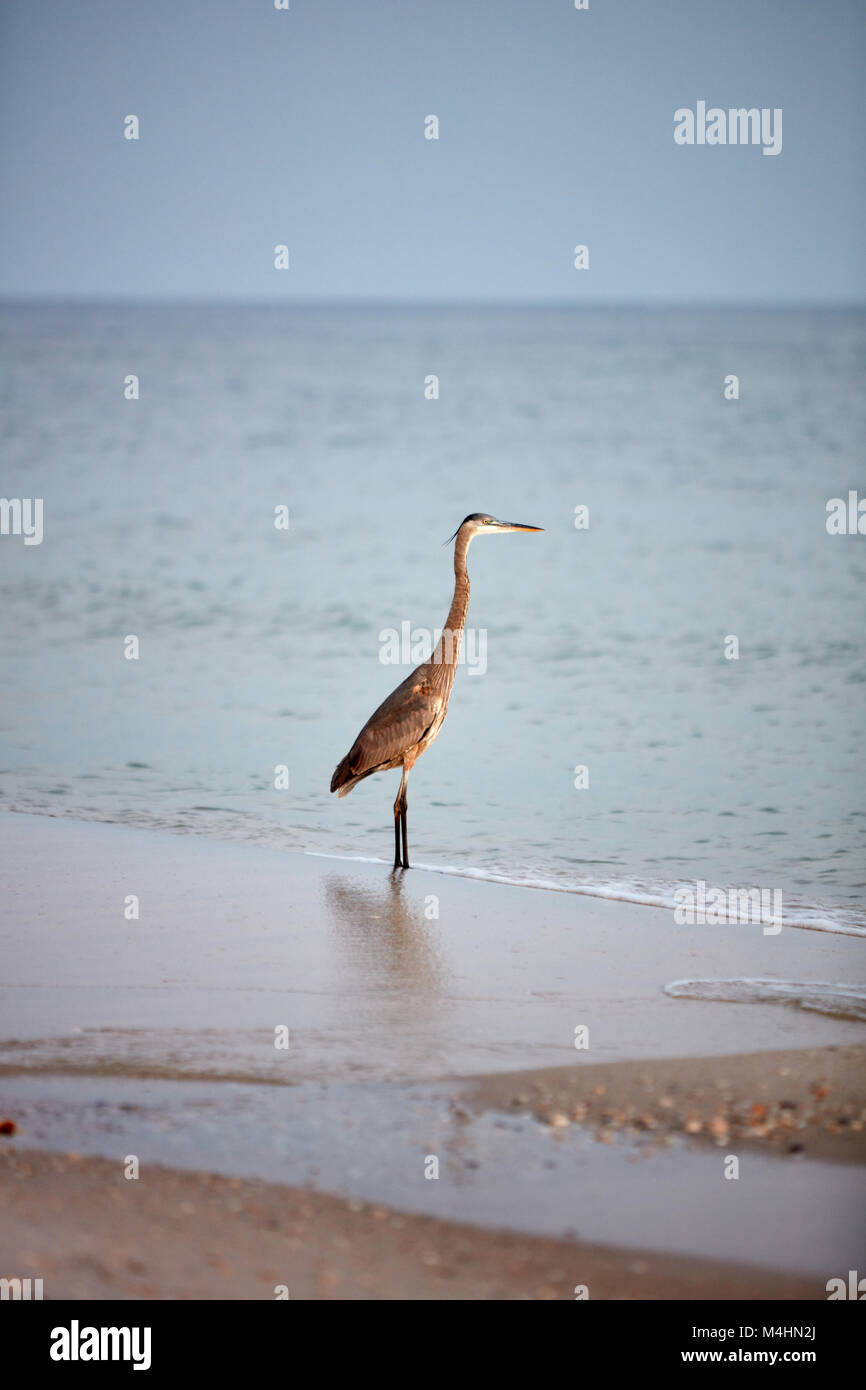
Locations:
306 128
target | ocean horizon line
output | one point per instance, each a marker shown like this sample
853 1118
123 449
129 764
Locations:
444 304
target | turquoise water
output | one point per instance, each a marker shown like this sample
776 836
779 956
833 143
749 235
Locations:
605 647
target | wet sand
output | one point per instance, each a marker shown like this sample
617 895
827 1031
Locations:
90 1234
426 1014
233 940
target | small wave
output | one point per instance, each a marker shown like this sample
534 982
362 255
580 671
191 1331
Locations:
840 1001
839 921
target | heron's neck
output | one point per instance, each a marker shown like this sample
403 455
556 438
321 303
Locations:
448 647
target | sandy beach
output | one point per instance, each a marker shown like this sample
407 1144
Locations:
193 1235
411 1037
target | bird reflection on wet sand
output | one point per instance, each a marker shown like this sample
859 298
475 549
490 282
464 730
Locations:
388 940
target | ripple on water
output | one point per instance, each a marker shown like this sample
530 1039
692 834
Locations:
818 996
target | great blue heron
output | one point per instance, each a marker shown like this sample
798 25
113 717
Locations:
411 717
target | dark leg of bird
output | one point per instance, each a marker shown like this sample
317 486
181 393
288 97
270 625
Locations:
397 863
400 824
405 836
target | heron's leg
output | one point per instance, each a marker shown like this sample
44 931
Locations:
400 823
397 863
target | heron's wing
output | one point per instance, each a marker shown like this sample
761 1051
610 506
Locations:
398 724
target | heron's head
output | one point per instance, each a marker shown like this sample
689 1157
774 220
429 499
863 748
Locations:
481 524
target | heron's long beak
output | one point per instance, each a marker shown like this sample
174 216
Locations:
516 526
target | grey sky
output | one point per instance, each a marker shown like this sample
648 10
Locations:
306 127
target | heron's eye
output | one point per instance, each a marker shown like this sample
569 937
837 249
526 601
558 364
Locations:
487 521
